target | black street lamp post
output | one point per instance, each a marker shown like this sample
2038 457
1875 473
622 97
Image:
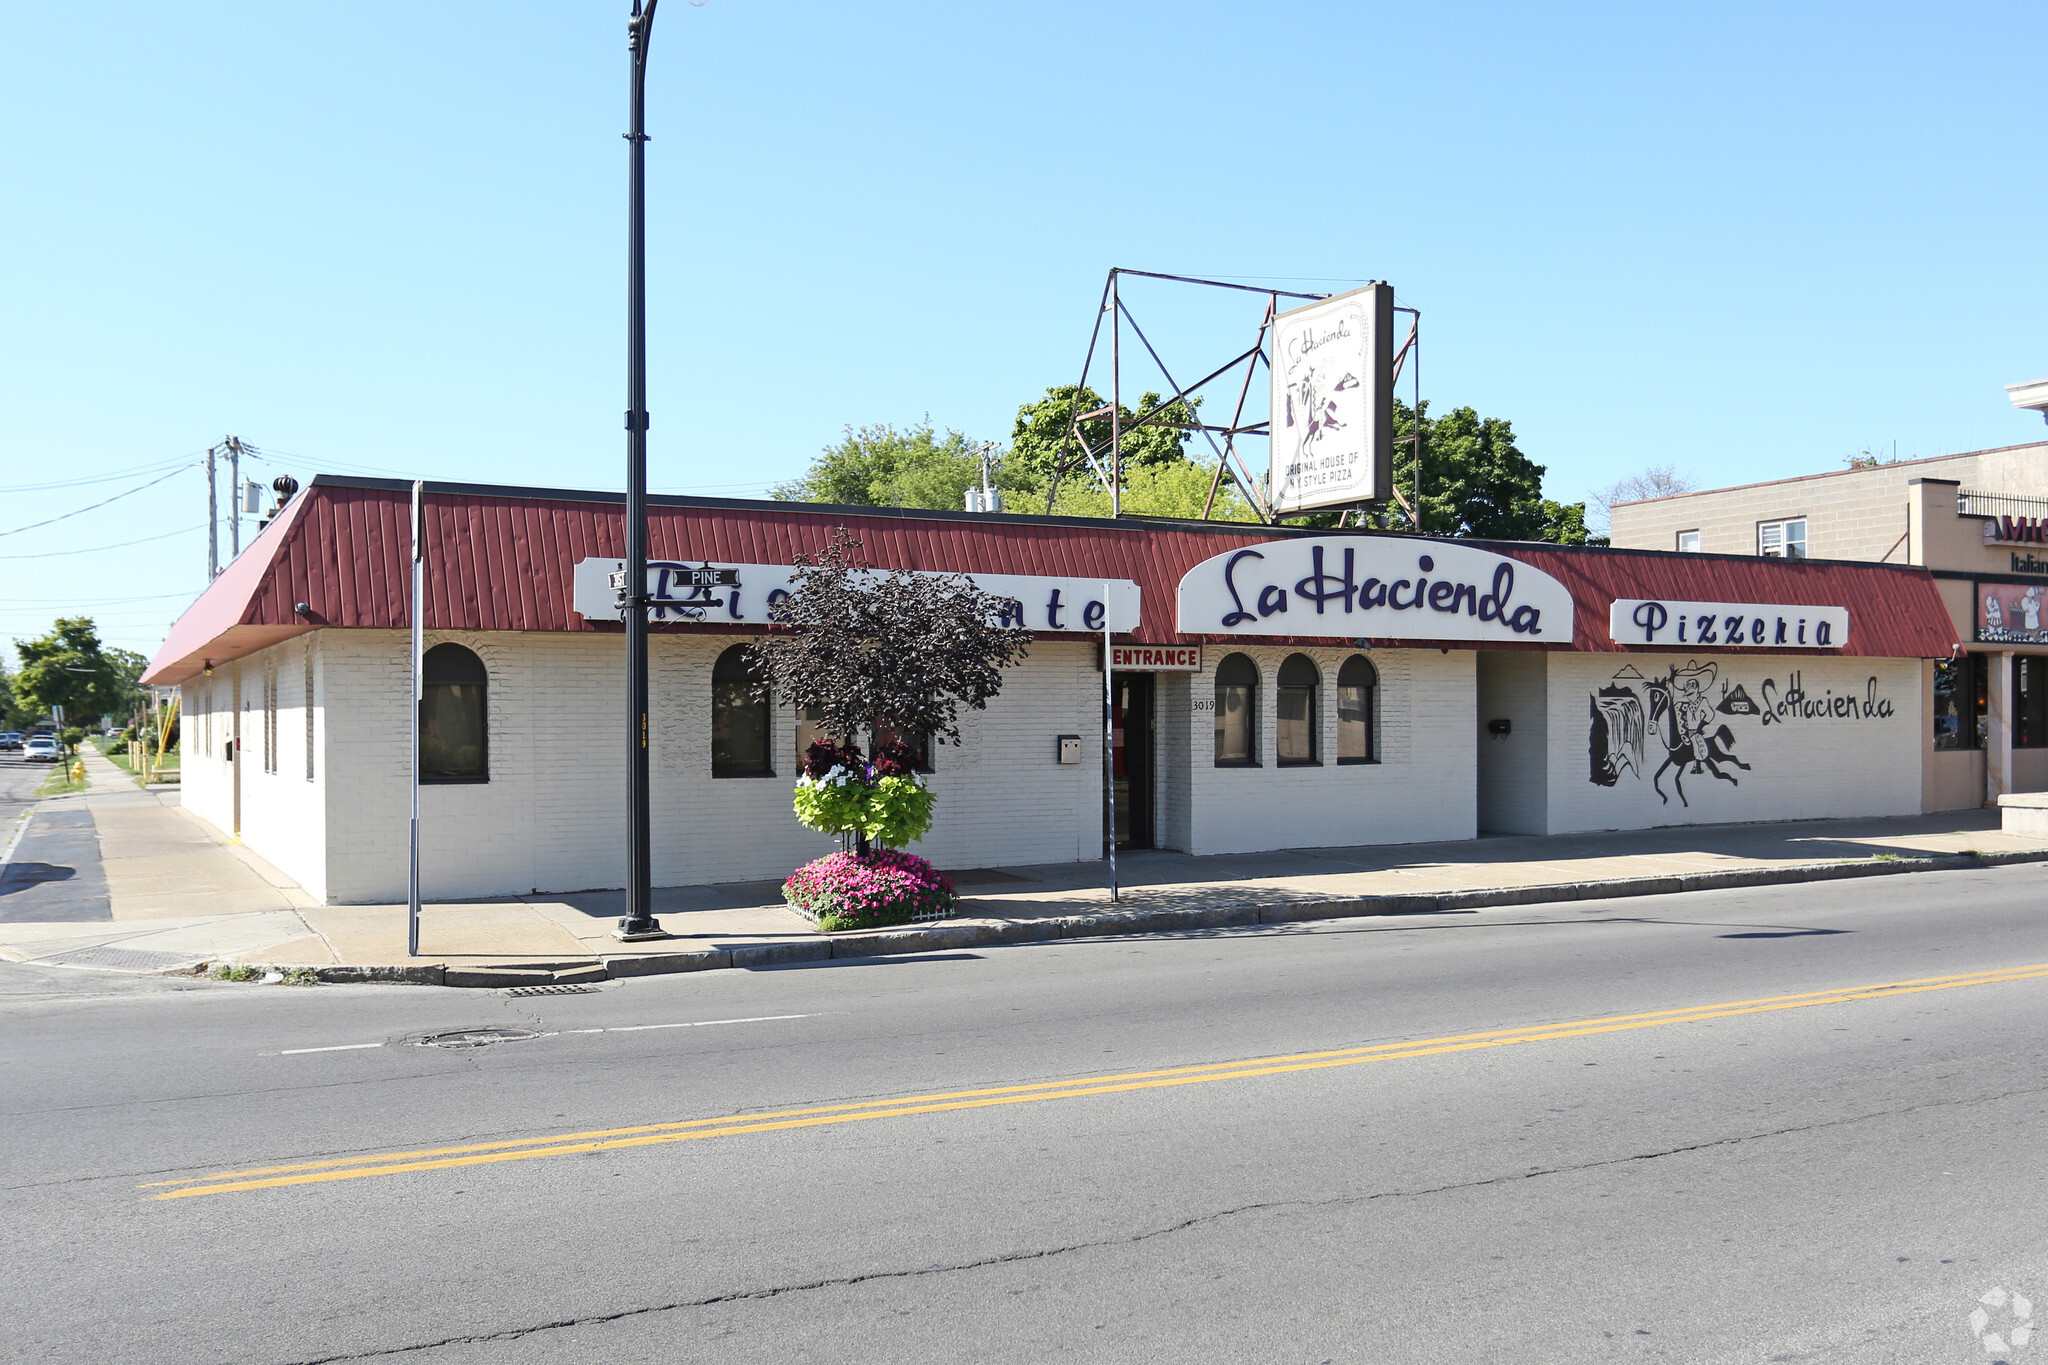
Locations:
639 921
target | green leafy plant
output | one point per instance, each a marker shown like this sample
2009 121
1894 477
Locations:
233 971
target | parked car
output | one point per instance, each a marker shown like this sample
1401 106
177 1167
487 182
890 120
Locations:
40 749
10 739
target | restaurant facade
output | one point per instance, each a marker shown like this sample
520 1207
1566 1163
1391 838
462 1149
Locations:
1271 689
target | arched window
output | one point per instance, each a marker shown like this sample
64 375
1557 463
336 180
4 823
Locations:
1358 688
740 724
1294 712
1237 712
454 717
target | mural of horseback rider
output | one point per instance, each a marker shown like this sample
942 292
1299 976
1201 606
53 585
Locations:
1683 720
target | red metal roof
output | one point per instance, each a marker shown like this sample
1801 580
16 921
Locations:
503 559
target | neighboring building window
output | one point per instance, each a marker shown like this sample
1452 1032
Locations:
2029 701
1689 542
740 717
309 708
1294 712
1782 539
1357 693
1959 702
1237 712
454 717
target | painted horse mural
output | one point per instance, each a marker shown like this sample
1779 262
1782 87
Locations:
1683 719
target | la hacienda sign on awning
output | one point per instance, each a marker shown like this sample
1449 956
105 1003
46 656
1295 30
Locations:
1397 588
1081 605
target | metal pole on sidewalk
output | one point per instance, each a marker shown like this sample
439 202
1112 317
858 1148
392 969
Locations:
1109 738
639 921
419 692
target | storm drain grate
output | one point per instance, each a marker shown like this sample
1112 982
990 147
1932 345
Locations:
552 990
472 1037
120 959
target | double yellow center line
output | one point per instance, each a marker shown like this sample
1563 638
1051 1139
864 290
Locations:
735 1125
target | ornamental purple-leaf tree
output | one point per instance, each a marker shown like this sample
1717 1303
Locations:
874 651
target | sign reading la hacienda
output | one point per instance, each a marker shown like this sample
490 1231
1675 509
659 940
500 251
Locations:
714 594
1388 587
1754 625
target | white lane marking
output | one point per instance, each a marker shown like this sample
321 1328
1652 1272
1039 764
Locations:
695 1023
339 1047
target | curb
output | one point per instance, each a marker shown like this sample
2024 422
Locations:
956 934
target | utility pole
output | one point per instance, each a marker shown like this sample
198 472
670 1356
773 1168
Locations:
234 498
212 517
639 921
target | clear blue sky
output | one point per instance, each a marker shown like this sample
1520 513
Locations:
1747 240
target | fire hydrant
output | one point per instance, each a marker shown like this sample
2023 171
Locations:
78 771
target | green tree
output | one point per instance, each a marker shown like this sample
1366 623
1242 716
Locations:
880 466
1178 489
1476 482
68 667
11 716
1043 434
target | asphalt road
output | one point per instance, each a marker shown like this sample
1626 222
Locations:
1505 1136
54 870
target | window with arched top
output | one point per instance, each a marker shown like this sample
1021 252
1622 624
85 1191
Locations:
454 716
741 718
1295 713
1237 712
1358 686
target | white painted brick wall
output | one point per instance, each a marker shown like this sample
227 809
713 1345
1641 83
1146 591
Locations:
1513 768
552 816
1800 769
1423 788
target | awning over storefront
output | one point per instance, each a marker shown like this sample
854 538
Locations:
504 559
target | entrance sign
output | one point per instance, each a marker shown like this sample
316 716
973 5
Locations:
1333 413
1390 587
1156 658
715 594
1754 625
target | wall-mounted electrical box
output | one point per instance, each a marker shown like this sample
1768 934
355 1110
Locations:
1070 748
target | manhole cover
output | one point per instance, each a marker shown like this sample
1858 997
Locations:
552 990
473 1037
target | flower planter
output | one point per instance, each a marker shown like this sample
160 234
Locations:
844 891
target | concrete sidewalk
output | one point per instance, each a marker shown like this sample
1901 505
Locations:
179 894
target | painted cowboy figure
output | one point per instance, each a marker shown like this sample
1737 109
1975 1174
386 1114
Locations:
1695 713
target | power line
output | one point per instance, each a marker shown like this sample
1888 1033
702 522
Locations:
118 545
96 506
149 468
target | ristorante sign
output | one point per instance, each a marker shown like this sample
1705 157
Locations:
1397 588
1080 605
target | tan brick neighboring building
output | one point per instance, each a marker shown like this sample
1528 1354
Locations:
1979 522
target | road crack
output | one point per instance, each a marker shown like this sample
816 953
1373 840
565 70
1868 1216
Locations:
1146 1235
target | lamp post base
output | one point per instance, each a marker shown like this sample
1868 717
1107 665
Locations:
629 932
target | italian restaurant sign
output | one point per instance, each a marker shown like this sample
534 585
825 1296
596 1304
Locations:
2012 614
1332 391
1080 605
1388 587
1755 625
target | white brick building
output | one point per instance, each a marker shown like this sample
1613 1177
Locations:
1325 711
